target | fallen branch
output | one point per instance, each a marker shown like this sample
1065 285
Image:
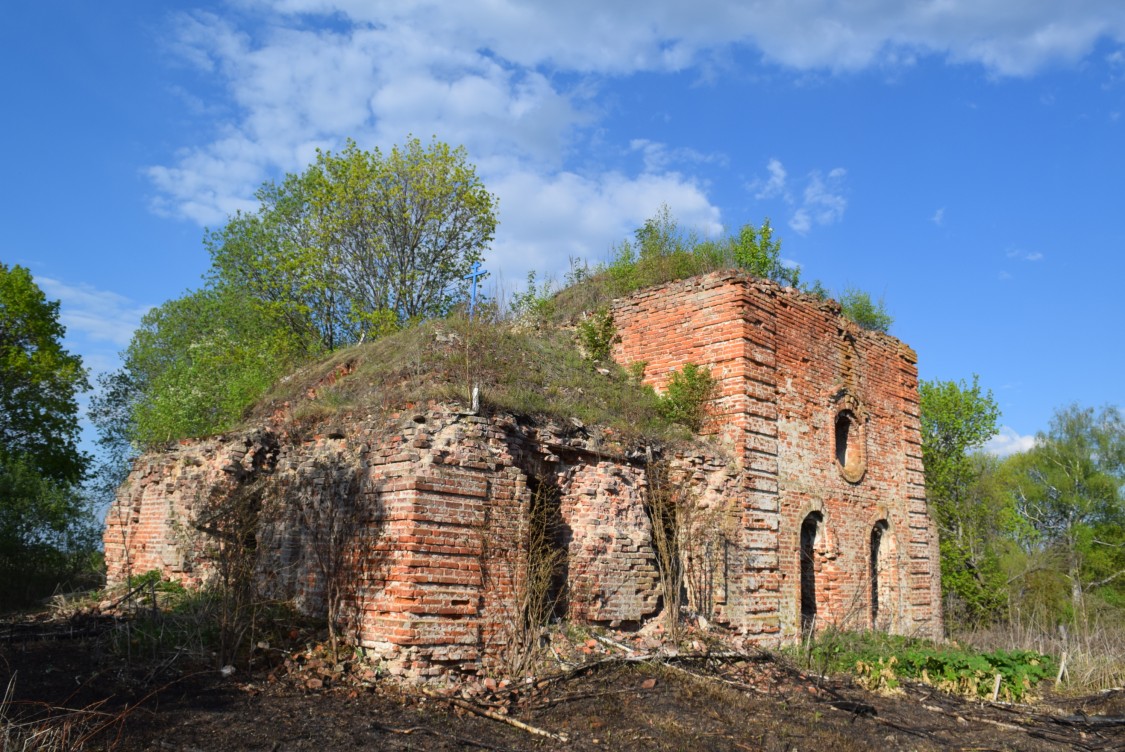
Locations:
1088 720
492 714
614 644
551 702
975 718
432 732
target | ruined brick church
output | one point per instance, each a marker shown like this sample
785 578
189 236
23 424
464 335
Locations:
807 494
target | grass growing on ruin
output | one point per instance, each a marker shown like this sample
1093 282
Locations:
520 371
881 661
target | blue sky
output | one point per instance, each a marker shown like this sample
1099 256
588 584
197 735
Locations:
961 158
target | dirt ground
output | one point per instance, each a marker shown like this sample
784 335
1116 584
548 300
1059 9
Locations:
66 679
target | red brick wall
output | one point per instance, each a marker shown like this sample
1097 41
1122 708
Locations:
436 509
786 364
612 575
435 503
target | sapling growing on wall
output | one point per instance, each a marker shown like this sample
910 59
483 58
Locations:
685 399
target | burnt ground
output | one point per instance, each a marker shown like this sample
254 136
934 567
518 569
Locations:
69 679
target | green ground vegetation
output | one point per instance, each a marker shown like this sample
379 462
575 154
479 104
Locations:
882 661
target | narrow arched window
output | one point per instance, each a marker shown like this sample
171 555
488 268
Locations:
876 567
849 443
809 529
843 437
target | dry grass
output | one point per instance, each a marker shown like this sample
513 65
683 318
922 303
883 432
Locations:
49 729
1094 648
531 373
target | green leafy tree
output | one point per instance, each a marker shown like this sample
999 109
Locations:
957 419
194 366
662 251
271 259
39 381
432 219
47 534
872 315
362 242
44 521
47 530
359 244
757 251
1069 489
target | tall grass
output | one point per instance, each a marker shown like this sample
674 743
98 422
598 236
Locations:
1091 649
43 728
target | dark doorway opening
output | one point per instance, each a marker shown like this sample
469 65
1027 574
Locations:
547 563
876 567
809 529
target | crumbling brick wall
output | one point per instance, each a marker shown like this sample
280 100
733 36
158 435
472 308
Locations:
822 419
433 509
807 509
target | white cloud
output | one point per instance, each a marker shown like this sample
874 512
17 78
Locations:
549 219
801 222
939 217
824 196
1008 441
519 84
1007 37
1021 255
93 314
822 200
775 185
659 157
296 89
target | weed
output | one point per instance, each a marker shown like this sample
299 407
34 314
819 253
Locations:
52 729
636 370
1091 649
686 396
533 373
596 333
538 569
880 661
536 305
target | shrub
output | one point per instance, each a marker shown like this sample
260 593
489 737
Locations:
535 305
686 396
596 332
858 306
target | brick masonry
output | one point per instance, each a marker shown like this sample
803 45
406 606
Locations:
417 523
796 380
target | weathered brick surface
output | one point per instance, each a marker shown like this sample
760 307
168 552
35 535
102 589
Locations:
787 366
434 513
421 521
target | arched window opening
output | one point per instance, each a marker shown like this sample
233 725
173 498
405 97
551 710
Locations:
876 571
849 445
843 434
809 529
